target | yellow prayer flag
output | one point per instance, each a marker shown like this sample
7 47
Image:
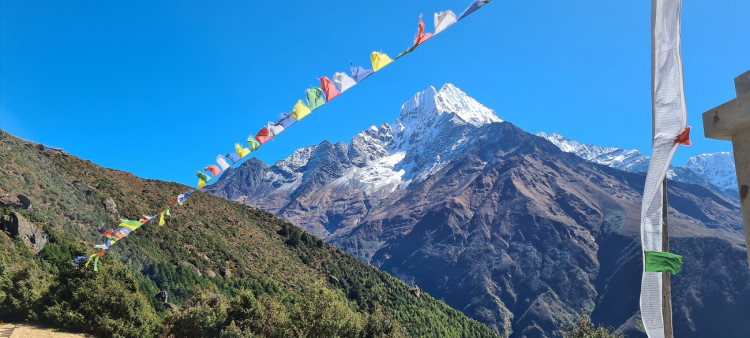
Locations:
201 183
379 60
128 226
240 151
132 225
300 110
161 218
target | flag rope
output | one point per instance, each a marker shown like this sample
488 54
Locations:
127 227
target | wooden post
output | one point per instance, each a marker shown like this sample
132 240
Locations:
731 122
666 288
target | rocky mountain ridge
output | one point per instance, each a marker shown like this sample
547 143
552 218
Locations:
499 223
715 170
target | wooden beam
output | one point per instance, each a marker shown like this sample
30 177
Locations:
728 119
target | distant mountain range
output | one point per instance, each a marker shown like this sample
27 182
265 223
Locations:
502 224
715 170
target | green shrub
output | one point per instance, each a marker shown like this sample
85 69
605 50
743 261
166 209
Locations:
107 303
584 328
203 314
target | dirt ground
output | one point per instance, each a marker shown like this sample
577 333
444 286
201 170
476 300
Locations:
30 331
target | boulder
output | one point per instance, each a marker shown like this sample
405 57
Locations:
111 207
34 237
25 202
191 267
415 290
83 187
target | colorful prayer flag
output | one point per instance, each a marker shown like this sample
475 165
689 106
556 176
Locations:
132 225
263 136
684 138
254 145
274 128
233 157
379 60
222 162
202 179
657 261
359 73
314 98
300 111
182 197
214 170
421 35
444 20
343 81
242 152
286 121
474 6
328 88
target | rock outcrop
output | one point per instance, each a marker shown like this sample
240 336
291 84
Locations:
19 227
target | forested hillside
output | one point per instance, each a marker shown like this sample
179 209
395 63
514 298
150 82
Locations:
228 269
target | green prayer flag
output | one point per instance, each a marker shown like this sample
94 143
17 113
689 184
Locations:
254 145
202 176
168 212
662 261
315 98
132 225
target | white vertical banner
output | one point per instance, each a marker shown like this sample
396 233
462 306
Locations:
669 121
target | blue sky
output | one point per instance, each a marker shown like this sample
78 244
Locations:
159 88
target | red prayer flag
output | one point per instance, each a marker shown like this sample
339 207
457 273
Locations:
421 36
328 88
684 138
213 169
108 233
263 136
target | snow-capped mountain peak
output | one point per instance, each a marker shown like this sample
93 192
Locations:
718 168
707 169
433 127
430 104
628 160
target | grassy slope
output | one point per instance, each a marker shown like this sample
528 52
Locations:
246 249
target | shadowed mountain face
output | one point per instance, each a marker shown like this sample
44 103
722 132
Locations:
502 224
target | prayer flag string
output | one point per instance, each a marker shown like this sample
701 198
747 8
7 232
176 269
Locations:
315 97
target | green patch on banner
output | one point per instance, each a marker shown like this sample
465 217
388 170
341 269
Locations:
662 261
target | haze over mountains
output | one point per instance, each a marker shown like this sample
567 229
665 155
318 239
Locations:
502 224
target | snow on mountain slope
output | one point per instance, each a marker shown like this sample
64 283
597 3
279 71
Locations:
716 168
431 127
628 160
